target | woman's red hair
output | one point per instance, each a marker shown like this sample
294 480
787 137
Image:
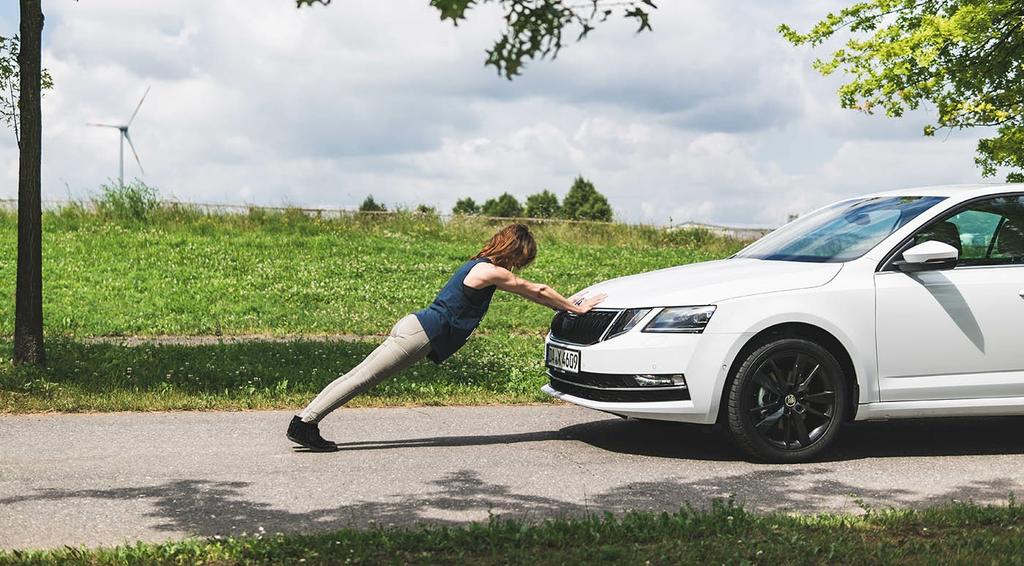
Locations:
513 247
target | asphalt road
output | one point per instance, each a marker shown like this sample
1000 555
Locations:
104 479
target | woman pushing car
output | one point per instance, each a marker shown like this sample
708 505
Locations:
439 330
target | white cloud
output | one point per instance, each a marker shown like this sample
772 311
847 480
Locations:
711 117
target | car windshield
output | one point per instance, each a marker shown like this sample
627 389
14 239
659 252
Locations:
842 232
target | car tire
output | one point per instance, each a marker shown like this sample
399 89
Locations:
787 401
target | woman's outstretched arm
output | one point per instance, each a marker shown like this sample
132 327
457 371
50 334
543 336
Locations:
485 274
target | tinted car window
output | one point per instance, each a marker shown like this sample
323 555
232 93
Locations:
986 232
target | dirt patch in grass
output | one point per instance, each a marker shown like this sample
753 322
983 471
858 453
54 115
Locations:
166 340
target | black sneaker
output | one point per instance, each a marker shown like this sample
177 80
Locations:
308 435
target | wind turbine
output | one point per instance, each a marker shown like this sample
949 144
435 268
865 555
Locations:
125 136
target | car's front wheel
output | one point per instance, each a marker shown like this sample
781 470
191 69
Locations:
787 401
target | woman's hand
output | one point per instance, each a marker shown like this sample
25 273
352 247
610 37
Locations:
589 303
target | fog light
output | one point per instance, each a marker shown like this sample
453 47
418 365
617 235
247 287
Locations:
647 380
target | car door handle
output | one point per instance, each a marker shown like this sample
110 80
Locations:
1021 293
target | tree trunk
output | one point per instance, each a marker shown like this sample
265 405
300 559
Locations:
28 309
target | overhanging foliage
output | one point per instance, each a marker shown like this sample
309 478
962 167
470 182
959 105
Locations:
536 28
964 58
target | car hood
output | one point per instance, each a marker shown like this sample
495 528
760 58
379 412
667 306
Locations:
713 281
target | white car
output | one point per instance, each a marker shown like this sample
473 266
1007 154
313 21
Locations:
894 305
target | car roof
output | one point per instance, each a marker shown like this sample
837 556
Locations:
958 191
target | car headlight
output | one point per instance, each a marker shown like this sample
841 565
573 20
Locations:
626 321
681 319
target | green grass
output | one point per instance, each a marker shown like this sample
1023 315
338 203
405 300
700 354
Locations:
136 268
181 272
261 375
953 534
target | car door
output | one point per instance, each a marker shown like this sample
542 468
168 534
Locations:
959 333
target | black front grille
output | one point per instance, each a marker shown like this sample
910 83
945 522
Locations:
583 329
612 388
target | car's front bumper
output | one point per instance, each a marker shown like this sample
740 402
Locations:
657 410
703 359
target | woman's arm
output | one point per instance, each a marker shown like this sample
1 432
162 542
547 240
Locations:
485 274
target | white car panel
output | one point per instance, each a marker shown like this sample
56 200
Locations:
844 309
966 322
955 386
637 352
711 282
992 406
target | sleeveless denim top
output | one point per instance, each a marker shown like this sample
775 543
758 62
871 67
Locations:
455 313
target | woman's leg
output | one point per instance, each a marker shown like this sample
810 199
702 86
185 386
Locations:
406 345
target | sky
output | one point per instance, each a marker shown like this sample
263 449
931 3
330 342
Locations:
711 117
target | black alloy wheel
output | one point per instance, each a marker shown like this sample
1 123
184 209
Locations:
787 401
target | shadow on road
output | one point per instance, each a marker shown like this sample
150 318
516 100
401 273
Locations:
926 437
931 437
209 508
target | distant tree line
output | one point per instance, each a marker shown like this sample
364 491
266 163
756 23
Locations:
583 202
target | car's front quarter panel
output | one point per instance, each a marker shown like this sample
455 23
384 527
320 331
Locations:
844 308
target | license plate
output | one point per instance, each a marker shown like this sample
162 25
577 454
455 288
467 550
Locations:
564 360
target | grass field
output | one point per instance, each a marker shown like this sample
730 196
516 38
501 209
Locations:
955 534
175 271
289 274
261 375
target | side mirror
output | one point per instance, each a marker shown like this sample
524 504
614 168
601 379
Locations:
929 256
